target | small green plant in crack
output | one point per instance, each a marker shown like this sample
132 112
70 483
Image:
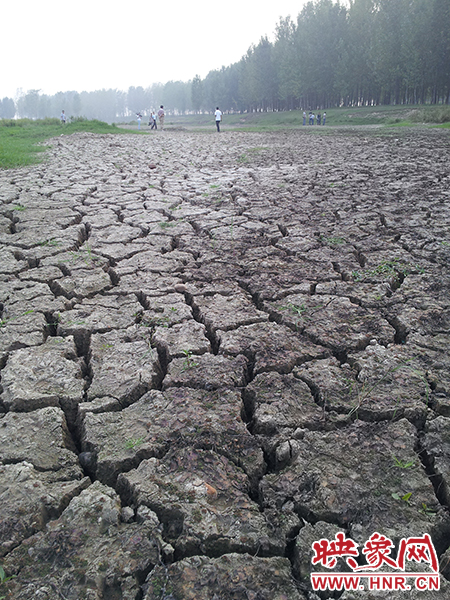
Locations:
405 498
106 346
403 465
426 510
75 322
4 579
167 224
367 389
298 309
147 340
389 268
386 269
50 242
189 362
161 586
88 251
7 320
85 255
420 270
332 241
163 321
134 443
19 207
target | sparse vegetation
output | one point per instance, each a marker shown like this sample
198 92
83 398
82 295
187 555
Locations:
332 241
405 498
189 362
134 443
403 465
386 270
4 579
386 117
22 140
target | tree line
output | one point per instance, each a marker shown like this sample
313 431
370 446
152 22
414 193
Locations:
367 52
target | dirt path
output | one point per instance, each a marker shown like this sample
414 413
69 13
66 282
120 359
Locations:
217 349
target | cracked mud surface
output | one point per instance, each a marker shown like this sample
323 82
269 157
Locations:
215 350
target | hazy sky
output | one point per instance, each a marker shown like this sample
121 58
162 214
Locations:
93 44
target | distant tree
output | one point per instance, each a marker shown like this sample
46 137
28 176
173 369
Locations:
287 61
155 95
197 93
230 77
7 108
45 107
356 79
265 75
121 104
76 105
439 36
214 90
28 105
136 99
177 96
247 81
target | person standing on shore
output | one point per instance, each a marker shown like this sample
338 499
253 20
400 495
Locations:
161 116
218 115
63 118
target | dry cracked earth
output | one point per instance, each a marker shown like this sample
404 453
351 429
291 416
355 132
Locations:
217 349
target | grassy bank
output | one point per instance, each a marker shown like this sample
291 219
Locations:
20 139
391 116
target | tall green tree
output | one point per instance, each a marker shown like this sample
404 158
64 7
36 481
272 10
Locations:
265 76
356 79
287 62
440 51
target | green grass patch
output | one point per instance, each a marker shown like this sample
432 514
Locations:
403 115
22 140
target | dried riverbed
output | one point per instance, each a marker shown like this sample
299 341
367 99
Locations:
217 349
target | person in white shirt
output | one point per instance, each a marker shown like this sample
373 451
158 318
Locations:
218 115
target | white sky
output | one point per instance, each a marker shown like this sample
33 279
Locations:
86 45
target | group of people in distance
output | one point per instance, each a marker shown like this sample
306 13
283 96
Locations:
160 114
152 123
320 119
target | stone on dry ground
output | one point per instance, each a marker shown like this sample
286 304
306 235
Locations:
209 365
